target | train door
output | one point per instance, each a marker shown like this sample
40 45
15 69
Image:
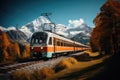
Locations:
54 44
51 46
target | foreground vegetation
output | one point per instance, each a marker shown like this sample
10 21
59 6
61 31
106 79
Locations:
64 69
44 73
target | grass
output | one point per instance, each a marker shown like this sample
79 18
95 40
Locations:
43 73
21 75
75 71
88 56
92 54
87 66
66 69
64 64
72 60
39 74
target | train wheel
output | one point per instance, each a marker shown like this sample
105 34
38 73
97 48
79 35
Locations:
57 55
45 59
53 55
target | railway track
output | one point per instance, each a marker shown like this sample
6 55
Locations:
14 66
31 65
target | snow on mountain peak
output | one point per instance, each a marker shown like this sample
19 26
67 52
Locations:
34 26
43 19
60 27
7 29
40 20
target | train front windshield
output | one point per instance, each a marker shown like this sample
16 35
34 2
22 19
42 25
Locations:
39 38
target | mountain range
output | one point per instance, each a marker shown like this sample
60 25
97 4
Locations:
77 30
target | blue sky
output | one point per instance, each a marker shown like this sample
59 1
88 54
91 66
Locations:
21 12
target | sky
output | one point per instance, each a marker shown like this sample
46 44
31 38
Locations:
20 12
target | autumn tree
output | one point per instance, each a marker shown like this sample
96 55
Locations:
4 42
26 51
8 49
105 22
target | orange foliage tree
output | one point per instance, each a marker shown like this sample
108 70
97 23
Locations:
105 22
26 52
11 51
4 42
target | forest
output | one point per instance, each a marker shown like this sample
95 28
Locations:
11 51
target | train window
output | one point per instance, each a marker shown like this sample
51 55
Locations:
39 38
65 43
61 43
54 41
50 41
58 43
36 40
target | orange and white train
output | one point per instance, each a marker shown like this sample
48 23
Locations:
47 45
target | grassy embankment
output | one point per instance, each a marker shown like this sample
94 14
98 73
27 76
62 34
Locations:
89 64
77 68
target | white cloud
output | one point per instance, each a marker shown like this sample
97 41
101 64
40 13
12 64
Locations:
74 27
75 23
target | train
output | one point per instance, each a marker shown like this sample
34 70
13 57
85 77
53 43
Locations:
47 44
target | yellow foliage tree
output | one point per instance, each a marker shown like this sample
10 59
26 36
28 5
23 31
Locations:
26 52
4 42
17 50
106 33
8 50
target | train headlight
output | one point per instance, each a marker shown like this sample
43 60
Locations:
32 47
41 47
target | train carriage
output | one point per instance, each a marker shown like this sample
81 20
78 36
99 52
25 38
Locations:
47 45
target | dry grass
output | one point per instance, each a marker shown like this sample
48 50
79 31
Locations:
43 73
64 64
88 56
72 60
74 72
40 74
92 54
21 75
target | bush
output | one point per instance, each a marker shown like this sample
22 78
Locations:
64 64
21 75
72 60
43 73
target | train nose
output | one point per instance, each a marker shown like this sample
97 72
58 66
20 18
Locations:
37 49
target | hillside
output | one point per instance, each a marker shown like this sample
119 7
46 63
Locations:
10 51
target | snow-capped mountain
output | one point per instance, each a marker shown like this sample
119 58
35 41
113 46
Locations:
81 37
78 26
72 30
34 26
79 31
14 34
41 23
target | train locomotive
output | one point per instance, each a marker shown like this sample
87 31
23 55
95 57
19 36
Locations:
48 44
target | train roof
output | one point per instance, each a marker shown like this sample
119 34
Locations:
51 34
63 38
